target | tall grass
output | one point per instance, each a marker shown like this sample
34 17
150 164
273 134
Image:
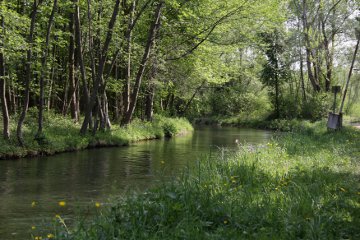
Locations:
304 185
62 134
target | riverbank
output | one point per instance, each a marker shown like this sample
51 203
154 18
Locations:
303 185
62 135
257 123
284 125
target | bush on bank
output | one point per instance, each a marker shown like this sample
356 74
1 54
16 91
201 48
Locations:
303 185
62 134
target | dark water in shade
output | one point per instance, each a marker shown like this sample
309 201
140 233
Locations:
83 178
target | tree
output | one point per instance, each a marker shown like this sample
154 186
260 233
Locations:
102 59
150 41
322 22
28 71
4 107
275 69
43 72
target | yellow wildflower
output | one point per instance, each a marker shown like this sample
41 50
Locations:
50 235
62 203
33 227
225 222
97 204
33 204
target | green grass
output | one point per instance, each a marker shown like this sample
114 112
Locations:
303 185
62 134
258 122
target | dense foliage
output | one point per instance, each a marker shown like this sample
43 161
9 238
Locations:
113 61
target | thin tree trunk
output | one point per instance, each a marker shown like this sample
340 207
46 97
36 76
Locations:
72 81
149 104
117 98
151 38
302 76
149 101
79 51
187 106
4 107
43 70
13 97
93 47
128 37
301 65
349 75
65 98
52 76
277 96
28 74
311 75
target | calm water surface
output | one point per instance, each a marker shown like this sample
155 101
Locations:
83 178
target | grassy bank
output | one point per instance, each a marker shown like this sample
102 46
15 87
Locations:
257 122
304 185
62 134
284 125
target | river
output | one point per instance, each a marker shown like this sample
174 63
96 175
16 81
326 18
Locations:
30 189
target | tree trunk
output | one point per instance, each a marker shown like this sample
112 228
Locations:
28 74
277 96
53 70
313 79
72 81
79 54
4 107
102 60
328 53
302 76
149 104
128 37
43 72
140 73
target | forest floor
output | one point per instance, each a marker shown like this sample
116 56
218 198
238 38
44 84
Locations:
301 185
62 135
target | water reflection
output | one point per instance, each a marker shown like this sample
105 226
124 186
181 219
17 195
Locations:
94 175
